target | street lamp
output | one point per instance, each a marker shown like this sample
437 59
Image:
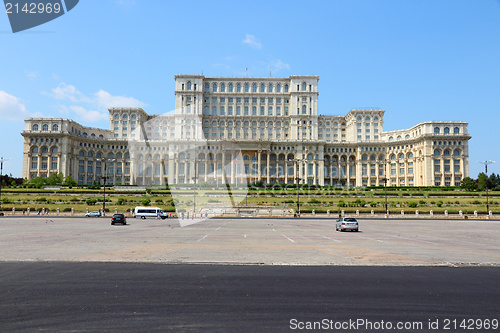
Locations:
1 178
194 192
486 163
105 160
298 179
385 186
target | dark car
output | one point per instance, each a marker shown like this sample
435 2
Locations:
118 218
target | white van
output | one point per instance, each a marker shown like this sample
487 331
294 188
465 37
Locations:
152 212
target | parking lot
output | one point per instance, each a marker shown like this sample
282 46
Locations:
251 241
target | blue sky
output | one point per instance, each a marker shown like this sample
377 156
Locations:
418 60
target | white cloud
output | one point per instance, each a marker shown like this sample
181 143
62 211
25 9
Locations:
11 107
252 41
31 75
88 115
106 100
68 91
278 65
94 106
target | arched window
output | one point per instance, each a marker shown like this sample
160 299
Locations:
407 136
54 150
456 152
254 87
401 156
262 87
364 158
238 87
391 138
367 118
101 136
205 111
437 152
55 127
410 155
270 89
92 135
436 130
35 127
207 87
456 130
399 137
35 150
446 130
304 86
45 127
304 109
247 87
230 87
90 154
189 85
214 87
222 87
98 155
81 154
393 157
446 152
286 88
278 88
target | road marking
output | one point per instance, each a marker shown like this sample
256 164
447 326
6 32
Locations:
202 238
218 228
291 240
245 236
274 230
335 240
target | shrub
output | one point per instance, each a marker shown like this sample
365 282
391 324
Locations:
314 201
91 201
342 204
145 202
121 201
412 204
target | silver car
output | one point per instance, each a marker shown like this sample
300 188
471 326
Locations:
347 223
93 214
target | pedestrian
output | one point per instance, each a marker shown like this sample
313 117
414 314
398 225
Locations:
158 215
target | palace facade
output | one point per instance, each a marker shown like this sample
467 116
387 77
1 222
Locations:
236 130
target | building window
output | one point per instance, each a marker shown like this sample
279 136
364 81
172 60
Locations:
254 87
214 87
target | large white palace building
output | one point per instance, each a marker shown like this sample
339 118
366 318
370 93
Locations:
234 130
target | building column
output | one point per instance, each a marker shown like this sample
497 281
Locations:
259 160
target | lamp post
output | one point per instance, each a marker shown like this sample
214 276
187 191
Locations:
486 163
195 177
105 160
385 186
1 179
298 179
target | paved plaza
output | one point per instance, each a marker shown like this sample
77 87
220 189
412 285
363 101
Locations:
251 241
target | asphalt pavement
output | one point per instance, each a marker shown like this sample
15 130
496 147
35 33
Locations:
153 297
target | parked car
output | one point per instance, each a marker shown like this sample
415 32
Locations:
347 223
93 214
118 218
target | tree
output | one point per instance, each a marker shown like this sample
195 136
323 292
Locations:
38 181
70 181
468 184
483 181
55 179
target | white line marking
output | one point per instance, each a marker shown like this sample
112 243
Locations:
335 240
291 240
274 230
202 238
218 228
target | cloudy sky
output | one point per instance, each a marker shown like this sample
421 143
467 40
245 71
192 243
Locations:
418 60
